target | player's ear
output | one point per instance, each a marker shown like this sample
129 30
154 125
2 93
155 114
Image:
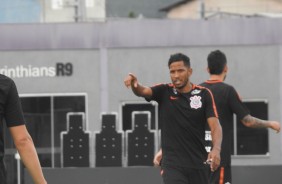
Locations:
208 70
225 69
190 70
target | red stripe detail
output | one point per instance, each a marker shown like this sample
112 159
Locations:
213 81
213 102
221 175
201 87
193 86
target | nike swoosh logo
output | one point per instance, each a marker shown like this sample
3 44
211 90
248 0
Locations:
173 98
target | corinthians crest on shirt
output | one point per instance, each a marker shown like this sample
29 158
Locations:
195 102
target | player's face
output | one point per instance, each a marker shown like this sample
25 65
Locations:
179 74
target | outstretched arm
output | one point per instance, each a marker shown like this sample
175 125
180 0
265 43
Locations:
252 122
139 90
216 133
26 149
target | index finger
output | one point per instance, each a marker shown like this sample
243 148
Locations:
132 75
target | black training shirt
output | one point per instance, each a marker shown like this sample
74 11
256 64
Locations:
182 119
10 109
228 103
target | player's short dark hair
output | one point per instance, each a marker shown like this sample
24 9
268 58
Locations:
216 62
179 57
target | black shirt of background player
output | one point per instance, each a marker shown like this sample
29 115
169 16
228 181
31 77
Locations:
228 103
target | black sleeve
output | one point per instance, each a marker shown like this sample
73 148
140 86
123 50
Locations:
157 92
13 110
236 104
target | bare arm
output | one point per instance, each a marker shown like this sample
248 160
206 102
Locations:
216 133
139 90
26 149
252 122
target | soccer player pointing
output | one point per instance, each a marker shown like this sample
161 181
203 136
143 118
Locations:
184 110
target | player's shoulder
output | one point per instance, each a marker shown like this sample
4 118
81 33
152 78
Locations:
167 85
227 86
5 79
6 83
160 85
216 83
199 88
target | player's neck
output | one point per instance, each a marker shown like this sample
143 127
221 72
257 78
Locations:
186 89
217 77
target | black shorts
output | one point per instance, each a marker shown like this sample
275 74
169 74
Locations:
184 175
2 173
221 176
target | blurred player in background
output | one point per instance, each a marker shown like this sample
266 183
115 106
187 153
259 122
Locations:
228 103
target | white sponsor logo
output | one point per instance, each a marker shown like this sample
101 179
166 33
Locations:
174 91
208 136
196 91
195 102
208 148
